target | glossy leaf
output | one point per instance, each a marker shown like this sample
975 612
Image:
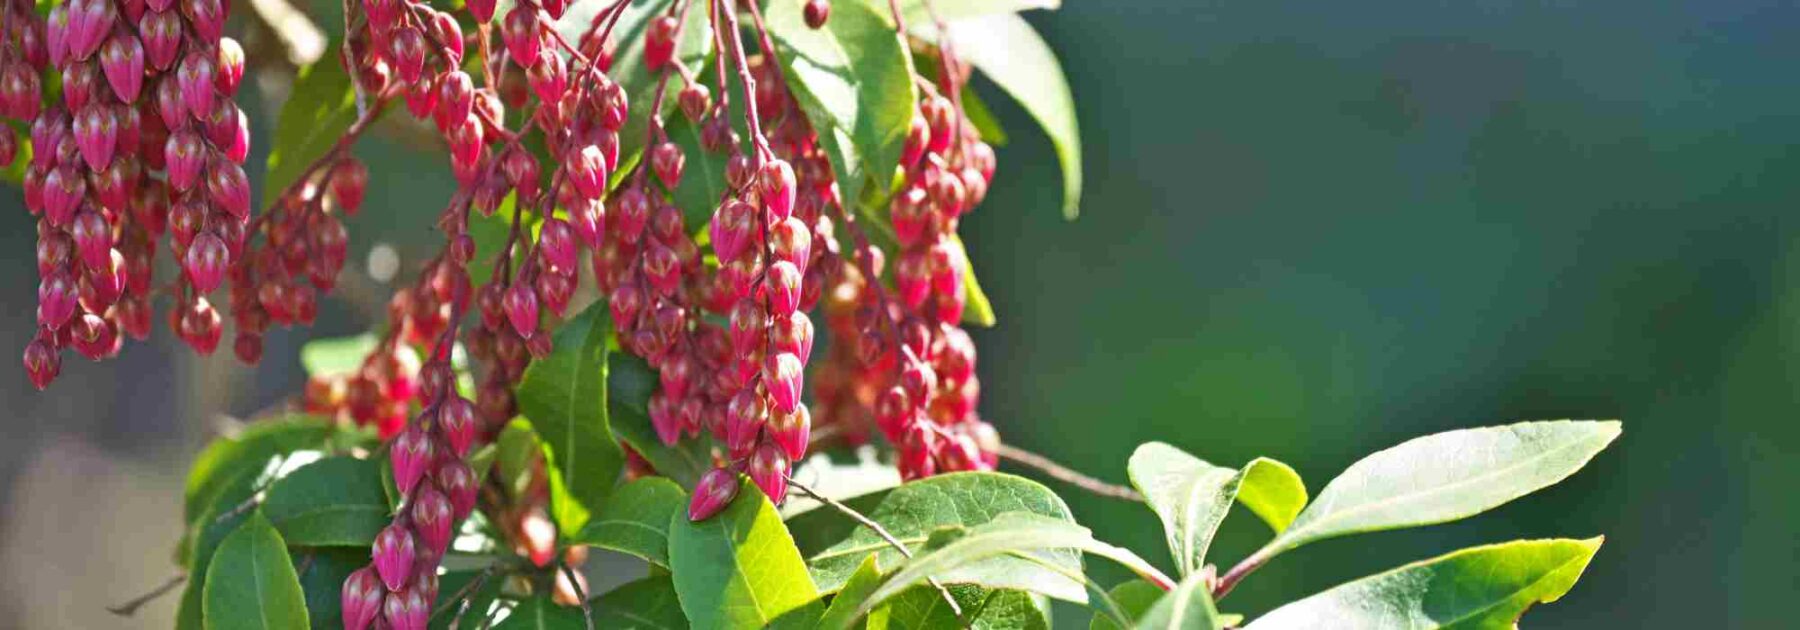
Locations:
1189 606
911 512
334 501
1447 476
564 396
738 569
629 386
853 79
516 452
252 583
338 355
1134 599
978 309
230 468
647 604
636 520
1479 587
1006 49
1019 536
204 536
319 109
540 613
1192 497
861 583
923 608
322 572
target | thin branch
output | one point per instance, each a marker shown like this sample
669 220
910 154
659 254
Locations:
587 611
882 532
1243 568
130 607
1067 475
464 596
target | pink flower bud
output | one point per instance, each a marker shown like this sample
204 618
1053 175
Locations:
589 220
185 155
458 419
123 62
460 486
161 37
917 449
393 553
791 431
227 187
662 266
587 170
548 75
230 66
447 31
104 283
634 214
910 212
792 334
432 518
557 242
96 134
768 469
522 309
41 363
93 237
783 373
715 490
659 43
520 31
200 327
63 190
207 16
747 323
56 34
410 453
732 226
206 261
790 240
745 416
407 50
776 183
89 23
668 161
664 419
783 287
409 609
195 76
912 277
169 106
93 336
48 131
361 598
57 295
483 10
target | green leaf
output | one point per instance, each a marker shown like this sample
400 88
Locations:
1007 50
481 598
923 607
338 355
1447 476
647 604
1134 599
334 501
636 520
919 15
979 311
516 454
319 109
861 583
1192 497
322 575
983 118
253 584
911 512
1019 536
230 468
205 535
540 613
1189 606
564 396
629 386
853 79
738 569
1479 587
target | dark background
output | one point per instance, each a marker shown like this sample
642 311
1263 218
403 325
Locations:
1311 230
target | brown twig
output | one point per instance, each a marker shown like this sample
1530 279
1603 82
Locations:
1243 568
1067 475
587 611
131 606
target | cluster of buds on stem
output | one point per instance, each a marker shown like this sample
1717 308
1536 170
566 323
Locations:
146 139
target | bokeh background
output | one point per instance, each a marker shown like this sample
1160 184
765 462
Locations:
1311 230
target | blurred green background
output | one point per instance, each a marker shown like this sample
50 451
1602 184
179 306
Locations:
1311 230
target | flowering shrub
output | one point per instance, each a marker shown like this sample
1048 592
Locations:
613 346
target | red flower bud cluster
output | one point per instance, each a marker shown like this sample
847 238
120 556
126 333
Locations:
146 139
